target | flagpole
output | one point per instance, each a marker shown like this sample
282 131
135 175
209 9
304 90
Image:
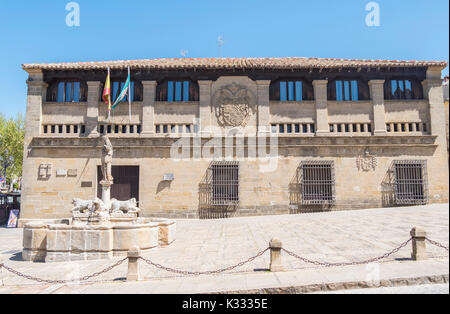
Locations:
109 104
129 94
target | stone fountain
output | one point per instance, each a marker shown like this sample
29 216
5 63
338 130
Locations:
99 228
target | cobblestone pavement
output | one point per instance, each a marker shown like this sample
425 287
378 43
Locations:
203 245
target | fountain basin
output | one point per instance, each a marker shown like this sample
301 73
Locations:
78 241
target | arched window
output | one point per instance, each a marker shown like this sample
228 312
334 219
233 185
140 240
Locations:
291 90
401 88
67 91
178 90
348 90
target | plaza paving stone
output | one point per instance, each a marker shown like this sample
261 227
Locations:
204 245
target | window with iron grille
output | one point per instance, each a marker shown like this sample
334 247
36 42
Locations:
410 182
317 182
225 183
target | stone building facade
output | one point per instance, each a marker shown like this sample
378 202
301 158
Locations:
316 134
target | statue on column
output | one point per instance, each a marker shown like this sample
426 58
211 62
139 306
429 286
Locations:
107 156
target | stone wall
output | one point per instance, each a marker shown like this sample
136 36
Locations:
57 169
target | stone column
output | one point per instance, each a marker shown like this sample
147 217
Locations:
205 107
148 108
134 273
37 90
379 115
36 95
321 98
263 99
438 169
275 255
419 248
432 88
92 108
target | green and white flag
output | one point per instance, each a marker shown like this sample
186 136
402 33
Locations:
124 92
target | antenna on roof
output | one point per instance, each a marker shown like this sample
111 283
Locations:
184 53
220 45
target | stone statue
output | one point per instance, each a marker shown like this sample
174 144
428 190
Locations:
99 209
81 206
107 155
129 206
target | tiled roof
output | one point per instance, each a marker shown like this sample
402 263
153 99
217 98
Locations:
233 63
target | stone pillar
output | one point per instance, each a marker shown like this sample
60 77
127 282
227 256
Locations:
321 98
275 255
263 99
92 108
379 115
438 170
134 272
106 193
36 95
419 248
148 108
37 90
205 107
432 88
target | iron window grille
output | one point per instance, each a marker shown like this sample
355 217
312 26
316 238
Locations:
410 182
317 183
224 183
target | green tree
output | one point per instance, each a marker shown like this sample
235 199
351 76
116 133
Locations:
12 132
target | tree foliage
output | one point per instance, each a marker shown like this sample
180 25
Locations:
12 132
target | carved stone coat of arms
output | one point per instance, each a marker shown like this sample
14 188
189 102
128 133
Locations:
367 161
233 106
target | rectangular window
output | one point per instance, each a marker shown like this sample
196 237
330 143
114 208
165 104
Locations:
178 91
291 91
317 182
283 91
186 91
403 89
225 183
410 182
68 92
347 90
170 91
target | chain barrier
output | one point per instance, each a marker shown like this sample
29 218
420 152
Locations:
437 244
40 280
198 273
372 260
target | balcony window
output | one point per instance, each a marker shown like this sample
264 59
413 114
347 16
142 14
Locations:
68 92
403 89
117 88
177 91
348 90
291 90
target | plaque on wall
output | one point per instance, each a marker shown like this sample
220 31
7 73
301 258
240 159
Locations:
86 184
72 172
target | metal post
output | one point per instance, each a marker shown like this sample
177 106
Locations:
419 248
275 255
134 273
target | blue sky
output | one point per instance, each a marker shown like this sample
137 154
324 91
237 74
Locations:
36 31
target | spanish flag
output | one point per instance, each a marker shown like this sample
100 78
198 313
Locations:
107 92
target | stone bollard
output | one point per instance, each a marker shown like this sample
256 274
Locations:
419 248
134 273
275 255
